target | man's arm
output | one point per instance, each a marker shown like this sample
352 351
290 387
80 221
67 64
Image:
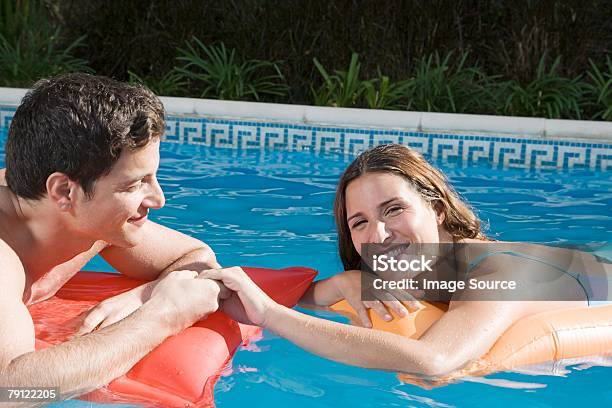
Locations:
164 250
82 364
91 361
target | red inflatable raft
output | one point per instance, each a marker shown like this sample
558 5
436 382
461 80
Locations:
183 370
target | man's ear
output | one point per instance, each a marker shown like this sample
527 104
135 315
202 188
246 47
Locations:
61 190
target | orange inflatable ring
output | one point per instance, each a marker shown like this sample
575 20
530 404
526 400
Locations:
547 336
183 370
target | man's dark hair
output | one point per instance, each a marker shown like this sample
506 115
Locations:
77 124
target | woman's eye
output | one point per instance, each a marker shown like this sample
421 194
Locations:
358 223
394 210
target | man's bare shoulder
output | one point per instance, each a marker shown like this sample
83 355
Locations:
12 274
5 199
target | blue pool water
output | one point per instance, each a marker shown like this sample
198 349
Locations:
274 209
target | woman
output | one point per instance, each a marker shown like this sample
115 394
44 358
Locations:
391 195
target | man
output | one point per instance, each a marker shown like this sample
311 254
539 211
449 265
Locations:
81 160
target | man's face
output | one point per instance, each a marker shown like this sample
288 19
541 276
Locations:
122 199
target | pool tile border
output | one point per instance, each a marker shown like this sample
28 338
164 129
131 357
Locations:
496 151
519 151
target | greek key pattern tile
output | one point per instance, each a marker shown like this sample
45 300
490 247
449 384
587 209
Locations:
466 150
495 151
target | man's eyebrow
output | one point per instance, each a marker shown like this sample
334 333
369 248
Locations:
384 203
131 180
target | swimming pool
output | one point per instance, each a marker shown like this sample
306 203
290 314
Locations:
273 208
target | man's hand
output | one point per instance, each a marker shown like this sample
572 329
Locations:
187 297
248 303
116 308
119 307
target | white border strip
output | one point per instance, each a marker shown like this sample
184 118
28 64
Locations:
380 119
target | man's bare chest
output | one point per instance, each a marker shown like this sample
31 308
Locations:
50 280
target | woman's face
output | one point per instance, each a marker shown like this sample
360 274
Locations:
382 208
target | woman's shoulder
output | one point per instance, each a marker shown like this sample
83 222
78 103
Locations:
475 250
499 257
541 272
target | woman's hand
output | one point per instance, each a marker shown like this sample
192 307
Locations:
348 286
248 303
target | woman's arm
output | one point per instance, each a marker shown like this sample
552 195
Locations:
464 333
323 292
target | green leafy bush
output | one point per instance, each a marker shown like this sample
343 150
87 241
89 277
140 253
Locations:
137 40
600 90
343 89
170 84
549 94
36 56
445 85
142 36
216 72
31 48
382 93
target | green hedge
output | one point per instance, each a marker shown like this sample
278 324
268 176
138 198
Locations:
533 58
